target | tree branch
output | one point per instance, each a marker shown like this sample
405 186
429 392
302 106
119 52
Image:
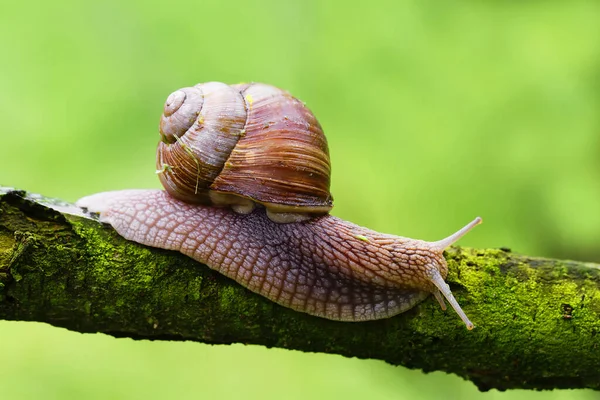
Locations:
537 320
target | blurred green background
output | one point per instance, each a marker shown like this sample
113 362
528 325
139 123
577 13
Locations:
435 112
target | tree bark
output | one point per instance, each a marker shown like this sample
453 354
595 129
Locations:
537 320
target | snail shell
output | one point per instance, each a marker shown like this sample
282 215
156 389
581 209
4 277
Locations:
244 144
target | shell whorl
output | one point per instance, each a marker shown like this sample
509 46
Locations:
253 142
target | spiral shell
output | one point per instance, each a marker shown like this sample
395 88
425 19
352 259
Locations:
240 144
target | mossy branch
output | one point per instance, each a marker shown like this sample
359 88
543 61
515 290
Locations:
537 320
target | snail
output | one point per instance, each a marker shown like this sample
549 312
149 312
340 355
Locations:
246 173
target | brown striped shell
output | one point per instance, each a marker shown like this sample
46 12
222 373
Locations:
243 144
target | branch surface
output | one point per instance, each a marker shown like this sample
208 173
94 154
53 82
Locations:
537 320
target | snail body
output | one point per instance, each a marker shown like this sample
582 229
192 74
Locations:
277 239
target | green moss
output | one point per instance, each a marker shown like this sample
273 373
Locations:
7 243
227 297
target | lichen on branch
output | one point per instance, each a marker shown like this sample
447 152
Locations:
537 320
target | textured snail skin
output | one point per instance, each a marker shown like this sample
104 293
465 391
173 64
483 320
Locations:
324 266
